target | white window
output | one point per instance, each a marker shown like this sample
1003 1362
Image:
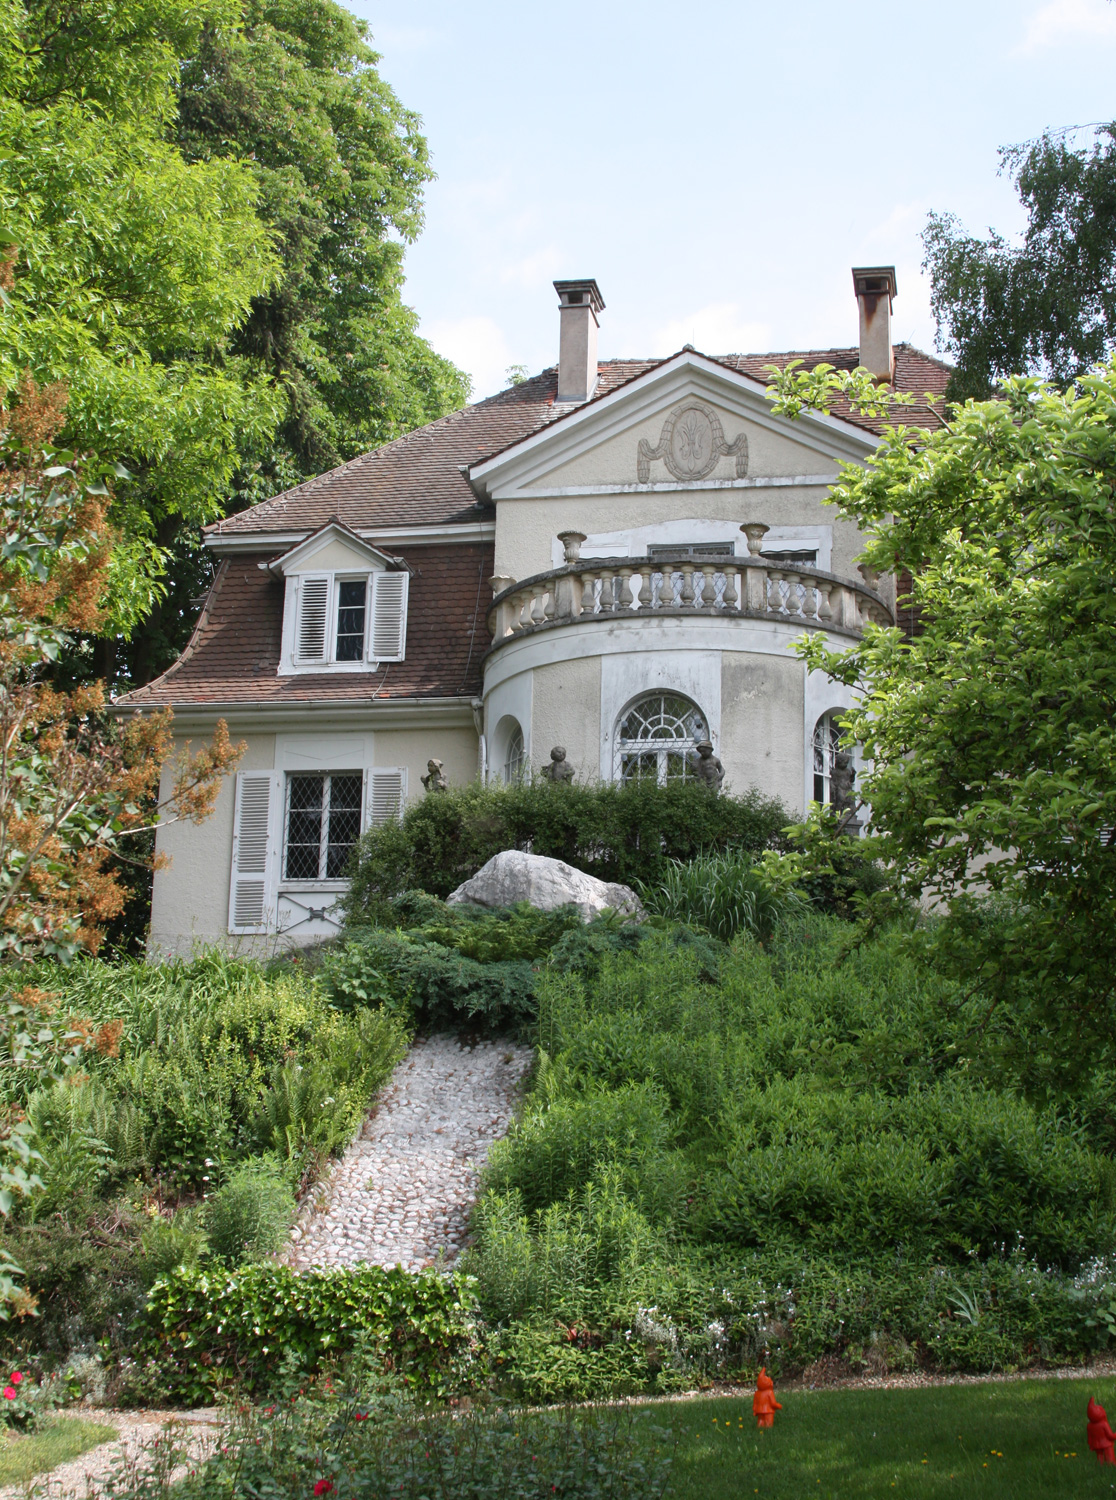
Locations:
298 830
515 758
344 621
656 737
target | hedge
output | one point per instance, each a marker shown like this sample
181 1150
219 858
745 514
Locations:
207 1327
626 833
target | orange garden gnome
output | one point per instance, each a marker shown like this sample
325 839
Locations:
1099 1435
765 1406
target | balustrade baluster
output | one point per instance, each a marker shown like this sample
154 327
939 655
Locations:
728 593
708 586
794 606
775 591
687 585
825 609
626 596
536 613
642 593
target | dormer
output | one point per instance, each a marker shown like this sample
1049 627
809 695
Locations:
344 606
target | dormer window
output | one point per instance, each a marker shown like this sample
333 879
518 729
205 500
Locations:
352 617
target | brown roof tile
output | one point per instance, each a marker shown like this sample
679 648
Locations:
233 656
416 480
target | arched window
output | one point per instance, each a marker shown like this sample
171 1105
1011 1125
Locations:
515 760
827 741
655 737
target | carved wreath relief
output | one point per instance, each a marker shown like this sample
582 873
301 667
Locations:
691 442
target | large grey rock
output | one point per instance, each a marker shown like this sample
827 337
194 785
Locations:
546 883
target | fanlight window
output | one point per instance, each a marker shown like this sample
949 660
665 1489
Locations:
656 737
827 741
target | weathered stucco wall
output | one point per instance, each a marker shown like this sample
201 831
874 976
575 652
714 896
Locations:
190 901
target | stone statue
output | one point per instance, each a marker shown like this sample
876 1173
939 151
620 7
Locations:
559 769
706 766
841 782
434 780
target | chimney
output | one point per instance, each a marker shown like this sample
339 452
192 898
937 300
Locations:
580 302
875 291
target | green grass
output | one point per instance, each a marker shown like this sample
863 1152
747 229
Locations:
971 1442
22 1458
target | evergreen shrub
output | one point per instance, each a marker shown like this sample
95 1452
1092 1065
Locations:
624 833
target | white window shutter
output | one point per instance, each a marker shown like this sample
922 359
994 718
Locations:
313 619
384 795
389 617
257 836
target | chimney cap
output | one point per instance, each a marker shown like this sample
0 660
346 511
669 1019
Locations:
874 281
577 293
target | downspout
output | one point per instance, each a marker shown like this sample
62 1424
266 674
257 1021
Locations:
477 705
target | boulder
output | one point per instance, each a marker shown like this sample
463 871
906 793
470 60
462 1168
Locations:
546 883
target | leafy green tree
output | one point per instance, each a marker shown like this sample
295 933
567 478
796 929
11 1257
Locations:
990 738
1046 306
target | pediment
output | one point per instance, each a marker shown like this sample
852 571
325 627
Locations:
690 423
333 548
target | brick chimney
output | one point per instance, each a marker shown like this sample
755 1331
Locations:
875 291
580 302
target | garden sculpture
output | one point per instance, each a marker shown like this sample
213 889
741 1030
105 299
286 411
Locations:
841 783
706 766
764 1404
1099 1435
434 780
558 769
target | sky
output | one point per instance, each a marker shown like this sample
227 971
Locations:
718 167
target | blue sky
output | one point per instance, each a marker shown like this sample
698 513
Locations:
717 167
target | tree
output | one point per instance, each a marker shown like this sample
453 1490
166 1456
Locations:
990 738
207 205
73 789
1048 305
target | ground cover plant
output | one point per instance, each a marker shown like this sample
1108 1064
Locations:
737 1153
210 1093
61 1440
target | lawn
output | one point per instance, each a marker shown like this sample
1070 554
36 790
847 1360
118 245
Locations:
1018 1441
23 1457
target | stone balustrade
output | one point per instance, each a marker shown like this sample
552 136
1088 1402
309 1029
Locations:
738 588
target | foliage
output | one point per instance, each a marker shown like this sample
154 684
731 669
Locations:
991 736
71 788
618 833
208 1326
249 1216
787 1153
351 1444
420 978
212 1063
1047 305
723 893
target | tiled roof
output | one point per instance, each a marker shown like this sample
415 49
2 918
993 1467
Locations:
233 656
416 480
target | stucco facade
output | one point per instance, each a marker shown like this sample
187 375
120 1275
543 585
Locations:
623 574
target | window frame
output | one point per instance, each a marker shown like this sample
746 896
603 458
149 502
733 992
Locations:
662 749
292 664
320 881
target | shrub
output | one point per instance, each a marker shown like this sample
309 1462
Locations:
354 1444
204 1327
429 980
250 1215
620 833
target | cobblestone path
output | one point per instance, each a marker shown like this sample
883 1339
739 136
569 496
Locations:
404 1189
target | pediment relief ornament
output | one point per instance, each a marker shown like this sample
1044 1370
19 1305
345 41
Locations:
691 444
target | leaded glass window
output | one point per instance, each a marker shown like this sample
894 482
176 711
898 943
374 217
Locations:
515 761
827 741
323 824
656 737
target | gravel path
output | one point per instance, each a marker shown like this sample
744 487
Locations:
403 1191
136 1430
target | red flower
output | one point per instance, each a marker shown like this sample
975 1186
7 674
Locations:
360 1416
9 1393
16 1377
324 1487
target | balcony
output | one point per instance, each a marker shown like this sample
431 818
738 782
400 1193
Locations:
666 586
